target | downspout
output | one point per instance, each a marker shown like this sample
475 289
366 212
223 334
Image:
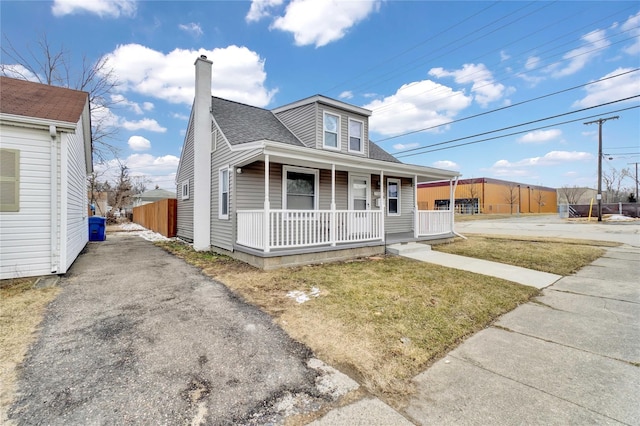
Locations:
53 133
453 211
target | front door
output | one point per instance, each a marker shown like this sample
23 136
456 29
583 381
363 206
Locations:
359 200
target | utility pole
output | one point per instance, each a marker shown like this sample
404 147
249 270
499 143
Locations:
636 163
600 122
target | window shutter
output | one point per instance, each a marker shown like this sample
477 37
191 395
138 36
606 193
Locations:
9 180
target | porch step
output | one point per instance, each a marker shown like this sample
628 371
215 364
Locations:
404 248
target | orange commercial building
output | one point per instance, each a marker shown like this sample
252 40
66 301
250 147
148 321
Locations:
488 196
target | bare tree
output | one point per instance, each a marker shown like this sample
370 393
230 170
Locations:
572 193
540 199
473 190
511 195
140 184
122 190
613 180
53 66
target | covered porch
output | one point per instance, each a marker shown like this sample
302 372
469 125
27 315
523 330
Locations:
366 220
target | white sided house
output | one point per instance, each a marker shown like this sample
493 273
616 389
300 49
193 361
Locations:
294 185
45 157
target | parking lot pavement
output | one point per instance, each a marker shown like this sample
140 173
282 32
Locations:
137 336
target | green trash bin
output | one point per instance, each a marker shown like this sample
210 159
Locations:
97 228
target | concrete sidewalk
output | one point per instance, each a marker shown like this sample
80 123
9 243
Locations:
569 357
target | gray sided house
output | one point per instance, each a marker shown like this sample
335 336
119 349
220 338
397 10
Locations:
298 184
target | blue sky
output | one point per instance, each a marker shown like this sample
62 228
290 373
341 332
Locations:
416 64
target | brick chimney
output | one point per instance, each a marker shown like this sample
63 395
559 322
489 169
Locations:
202 156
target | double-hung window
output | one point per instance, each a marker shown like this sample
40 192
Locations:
393 197
300 188
223 198
355 136
185 190
331 126
9 180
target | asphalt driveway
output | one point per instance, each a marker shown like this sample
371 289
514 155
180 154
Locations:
137 336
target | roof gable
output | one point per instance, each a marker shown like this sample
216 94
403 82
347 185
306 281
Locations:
29 99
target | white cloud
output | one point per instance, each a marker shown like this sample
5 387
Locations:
484 87
416 106
102 8
532 62
238 73
179 116
578 58
160 170
611 89
403 146
18 71
321 22
120 100
347 94
261 9
504 56
446 164
191 28
540 136
148 124
138 143
549 159
633 26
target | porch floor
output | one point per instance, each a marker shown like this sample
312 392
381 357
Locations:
406 237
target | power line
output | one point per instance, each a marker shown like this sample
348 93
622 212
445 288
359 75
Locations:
506 107
518 125
502 136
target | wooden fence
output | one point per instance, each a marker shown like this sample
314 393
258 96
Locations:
159 217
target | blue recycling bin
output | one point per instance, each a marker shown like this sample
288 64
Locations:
97 228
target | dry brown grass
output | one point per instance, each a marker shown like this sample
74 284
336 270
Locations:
559 256
381 321
22 310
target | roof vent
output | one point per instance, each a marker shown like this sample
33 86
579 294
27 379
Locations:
203 56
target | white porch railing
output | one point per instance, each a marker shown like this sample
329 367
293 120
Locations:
306 228
434 222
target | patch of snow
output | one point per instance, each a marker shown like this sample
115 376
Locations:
301 296
130 226
619 218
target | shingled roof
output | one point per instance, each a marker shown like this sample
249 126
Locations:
242 123
29 99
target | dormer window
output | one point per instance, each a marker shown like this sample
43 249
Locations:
331 124
355 136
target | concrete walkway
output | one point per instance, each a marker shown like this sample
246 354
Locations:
516 274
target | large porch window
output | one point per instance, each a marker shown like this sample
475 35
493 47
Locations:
300 188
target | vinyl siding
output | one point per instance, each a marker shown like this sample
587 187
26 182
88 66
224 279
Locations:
344 129
25 236
221 229
184 222
77 226
300 121
404 222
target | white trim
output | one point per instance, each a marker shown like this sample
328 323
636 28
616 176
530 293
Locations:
214 140
361 136
338 127
316 183
326 101
37 123
185 195
222 170
399 183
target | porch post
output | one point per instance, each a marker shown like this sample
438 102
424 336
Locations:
267 206
453 201
382 205
332 224
416 215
